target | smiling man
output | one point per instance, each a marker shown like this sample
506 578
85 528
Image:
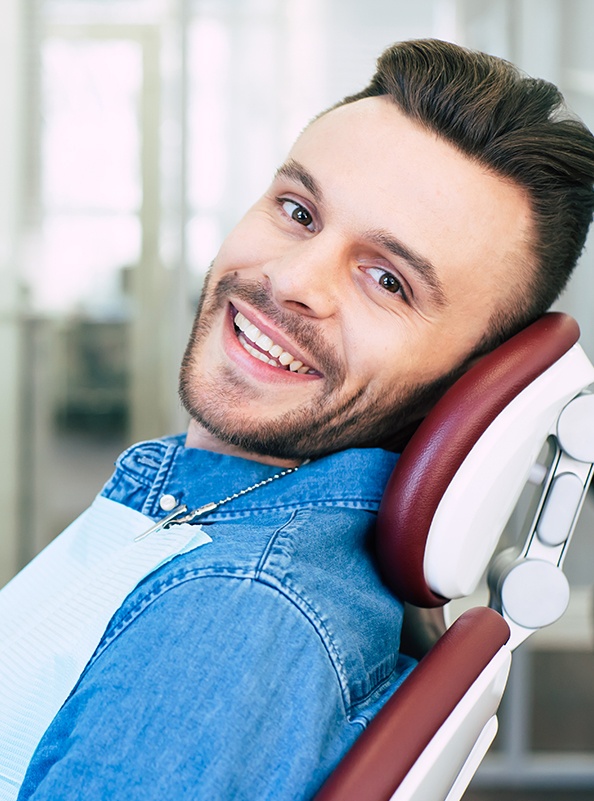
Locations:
411 228
371 268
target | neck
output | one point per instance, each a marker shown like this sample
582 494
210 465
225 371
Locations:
199 437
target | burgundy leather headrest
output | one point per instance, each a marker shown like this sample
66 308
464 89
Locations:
443 441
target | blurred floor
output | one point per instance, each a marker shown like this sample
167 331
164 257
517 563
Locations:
561 722
82 463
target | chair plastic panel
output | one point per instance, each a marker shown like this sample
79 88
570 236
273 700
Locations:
471 516
475 758
526 582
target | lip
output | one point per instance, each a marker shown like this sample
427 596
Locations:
260 369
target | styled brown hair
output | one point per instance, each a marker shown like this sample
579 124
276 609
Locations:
518 127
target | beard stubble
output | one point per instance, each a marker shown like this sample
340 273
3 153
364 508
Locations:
319 426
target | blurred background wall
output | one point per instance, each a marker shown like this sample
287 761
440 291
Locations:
134 134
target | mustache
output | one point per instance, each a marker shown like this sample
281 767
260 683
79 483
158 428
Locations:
302 330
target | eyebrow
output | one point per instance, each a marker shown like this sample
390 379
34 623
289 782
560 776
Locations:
423 268
294 171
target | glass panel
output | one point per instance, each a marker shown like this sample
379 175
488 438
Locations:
81 263
204 238
88 241
90 134
90 176
208 67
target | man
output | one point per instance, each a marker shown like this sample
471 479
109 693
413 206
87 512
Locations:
412 228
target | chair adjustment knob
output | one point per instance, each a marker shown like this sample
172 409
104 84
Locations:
575 428
534 593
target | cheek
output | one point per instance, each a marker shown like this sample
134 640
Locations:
371 354
411 351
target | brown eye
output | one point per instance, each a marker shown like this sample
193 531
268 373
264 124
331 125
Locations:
302 216
386 281
389 282
297 212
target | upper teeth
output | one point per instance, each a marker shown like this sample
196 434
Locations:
280 357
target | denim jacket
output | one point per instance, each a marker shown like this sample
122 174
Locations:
244 669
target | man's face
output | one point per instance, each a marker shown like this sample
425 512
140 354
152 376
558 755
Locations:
370 269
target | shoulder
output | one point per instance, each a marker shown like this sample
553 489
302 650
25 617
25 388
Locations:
302 578
323 562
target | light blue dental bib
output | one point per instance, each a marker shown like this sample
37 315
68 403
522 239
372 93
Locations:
53 614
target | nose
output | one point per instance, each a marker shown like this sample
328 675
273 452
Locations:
307 276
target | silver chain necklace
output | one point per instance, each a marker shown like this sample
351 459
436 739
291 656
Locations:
179 516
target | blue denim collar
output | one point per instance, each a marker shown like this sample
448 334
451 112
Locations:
354 478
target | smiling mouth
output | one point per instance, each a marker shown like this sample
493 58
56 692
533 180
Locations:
260 346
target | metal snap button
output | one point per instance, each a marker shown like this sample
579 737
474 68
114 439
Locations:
167 503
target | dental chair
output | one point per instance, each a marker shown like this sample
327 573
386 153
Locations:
521 414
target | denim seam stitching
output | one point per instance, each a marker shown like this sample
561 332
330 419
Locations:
160 478
135 476
365 506
122 467
269 545
311 615
296 600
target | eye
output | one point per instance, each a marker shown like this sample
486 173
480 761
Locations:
296 212
386 280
